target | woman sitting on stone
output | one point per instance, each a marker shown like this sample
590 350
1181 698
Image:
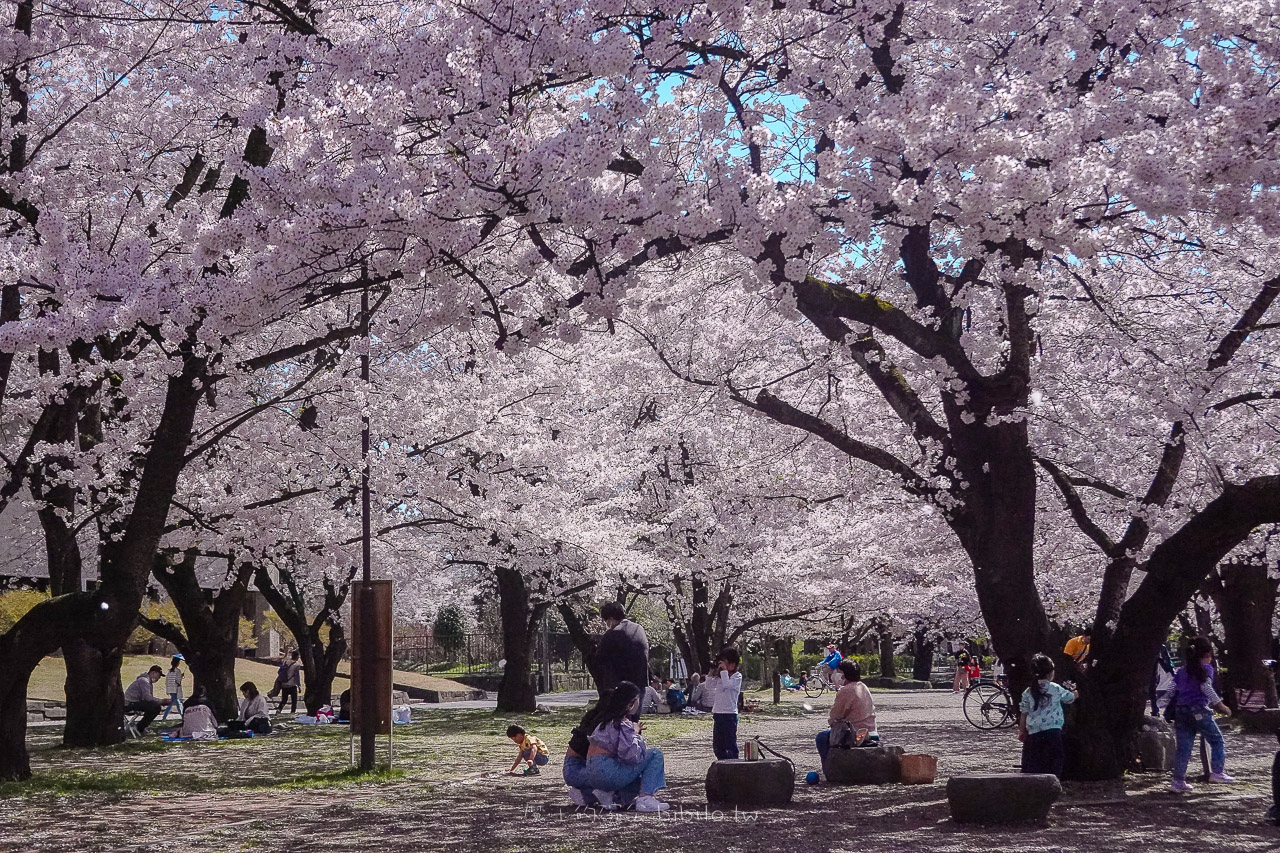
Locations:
853 715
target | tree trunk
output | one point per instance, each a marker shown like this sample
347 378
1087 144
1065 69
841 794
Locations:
922 648
106 617
888 667
210 634
785 649
997 530
519 622
1100 744
319 663
582 641
92 688
38 633
95 698
1246 601
320 666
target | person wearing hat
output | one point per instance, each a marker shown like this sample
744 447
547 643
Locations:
173 686
832 660
139 697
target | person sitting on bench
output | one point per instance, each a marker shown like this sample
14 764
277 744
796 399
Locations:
853 714
139 698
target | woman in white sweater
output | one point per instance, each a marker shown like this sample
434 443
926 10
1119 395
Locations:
253 713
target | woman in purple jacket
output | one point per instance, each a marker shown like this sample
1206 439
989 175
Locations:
1193 697
618 756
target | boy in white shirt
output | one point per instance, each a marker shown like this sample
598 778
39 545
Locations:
724 710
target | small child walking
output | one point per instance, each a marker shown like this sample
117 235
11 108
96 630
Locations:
173 686
1041 721
1192 699
724 710
532 751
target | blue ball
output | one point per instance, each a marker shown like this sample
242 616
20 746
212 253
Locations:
811 777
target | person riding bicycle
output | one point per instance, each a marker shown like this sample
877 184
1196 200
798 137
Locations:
832 660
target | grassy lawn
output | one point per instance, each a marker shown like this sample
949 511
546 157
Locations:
439 745
48 679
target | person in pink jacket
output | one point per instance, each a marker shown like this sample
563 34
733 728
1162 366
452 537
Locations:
853 714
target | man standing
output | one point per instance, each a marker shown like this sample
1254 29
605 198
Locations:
139 697
290 680
623 651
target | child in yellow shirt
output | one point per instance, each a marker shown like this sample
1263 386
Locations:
532 751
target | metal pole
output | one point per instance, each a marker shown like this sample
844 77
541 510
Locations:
546 654
368 735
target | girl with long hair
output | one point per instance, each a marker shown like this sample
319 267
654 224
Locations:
1040 724
618 756
1193 697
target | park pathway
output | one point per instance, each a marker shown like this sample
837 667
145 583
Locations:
471 807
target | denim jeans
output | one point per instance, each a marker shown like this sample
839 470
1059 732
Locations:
539 760
575 776
609 774
175 701
824 745
724 735
1189 721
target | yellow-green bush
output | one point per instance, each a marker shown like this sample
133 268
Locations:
15 603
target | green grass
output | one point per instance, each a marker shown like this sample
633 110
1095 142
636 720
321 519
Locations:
349 776
440 745
72 782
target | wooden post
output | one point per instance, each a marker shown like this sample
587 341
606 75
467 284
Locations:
370 665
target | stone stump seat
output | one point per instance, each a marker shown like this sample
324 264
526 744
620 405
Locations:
736 781
863 765
1156 747
1265 721
1002 797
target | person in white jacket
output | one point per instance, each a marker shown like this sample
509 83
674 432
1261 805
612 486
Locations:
253 713
724 707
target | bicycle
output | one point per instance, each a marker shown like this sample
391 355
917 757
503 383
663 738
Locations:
988 706
819 682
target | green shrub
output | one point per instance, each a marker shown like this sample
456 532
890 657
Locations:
15 603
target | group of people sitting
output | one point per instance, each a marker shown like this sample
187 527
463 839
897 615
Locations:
198 719
664 696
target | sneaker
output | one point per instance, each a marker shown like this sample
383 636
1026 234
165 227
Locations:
1273 815
1180 786
649 803
606 800
531 771
577 797
1222 777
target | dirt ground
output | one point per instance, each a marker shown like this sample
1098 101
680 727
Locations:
449 792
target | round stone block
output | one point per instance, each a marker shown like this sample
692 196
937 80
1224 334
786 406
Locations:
1156 750
736 781
1266 721
863 765
1002 797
